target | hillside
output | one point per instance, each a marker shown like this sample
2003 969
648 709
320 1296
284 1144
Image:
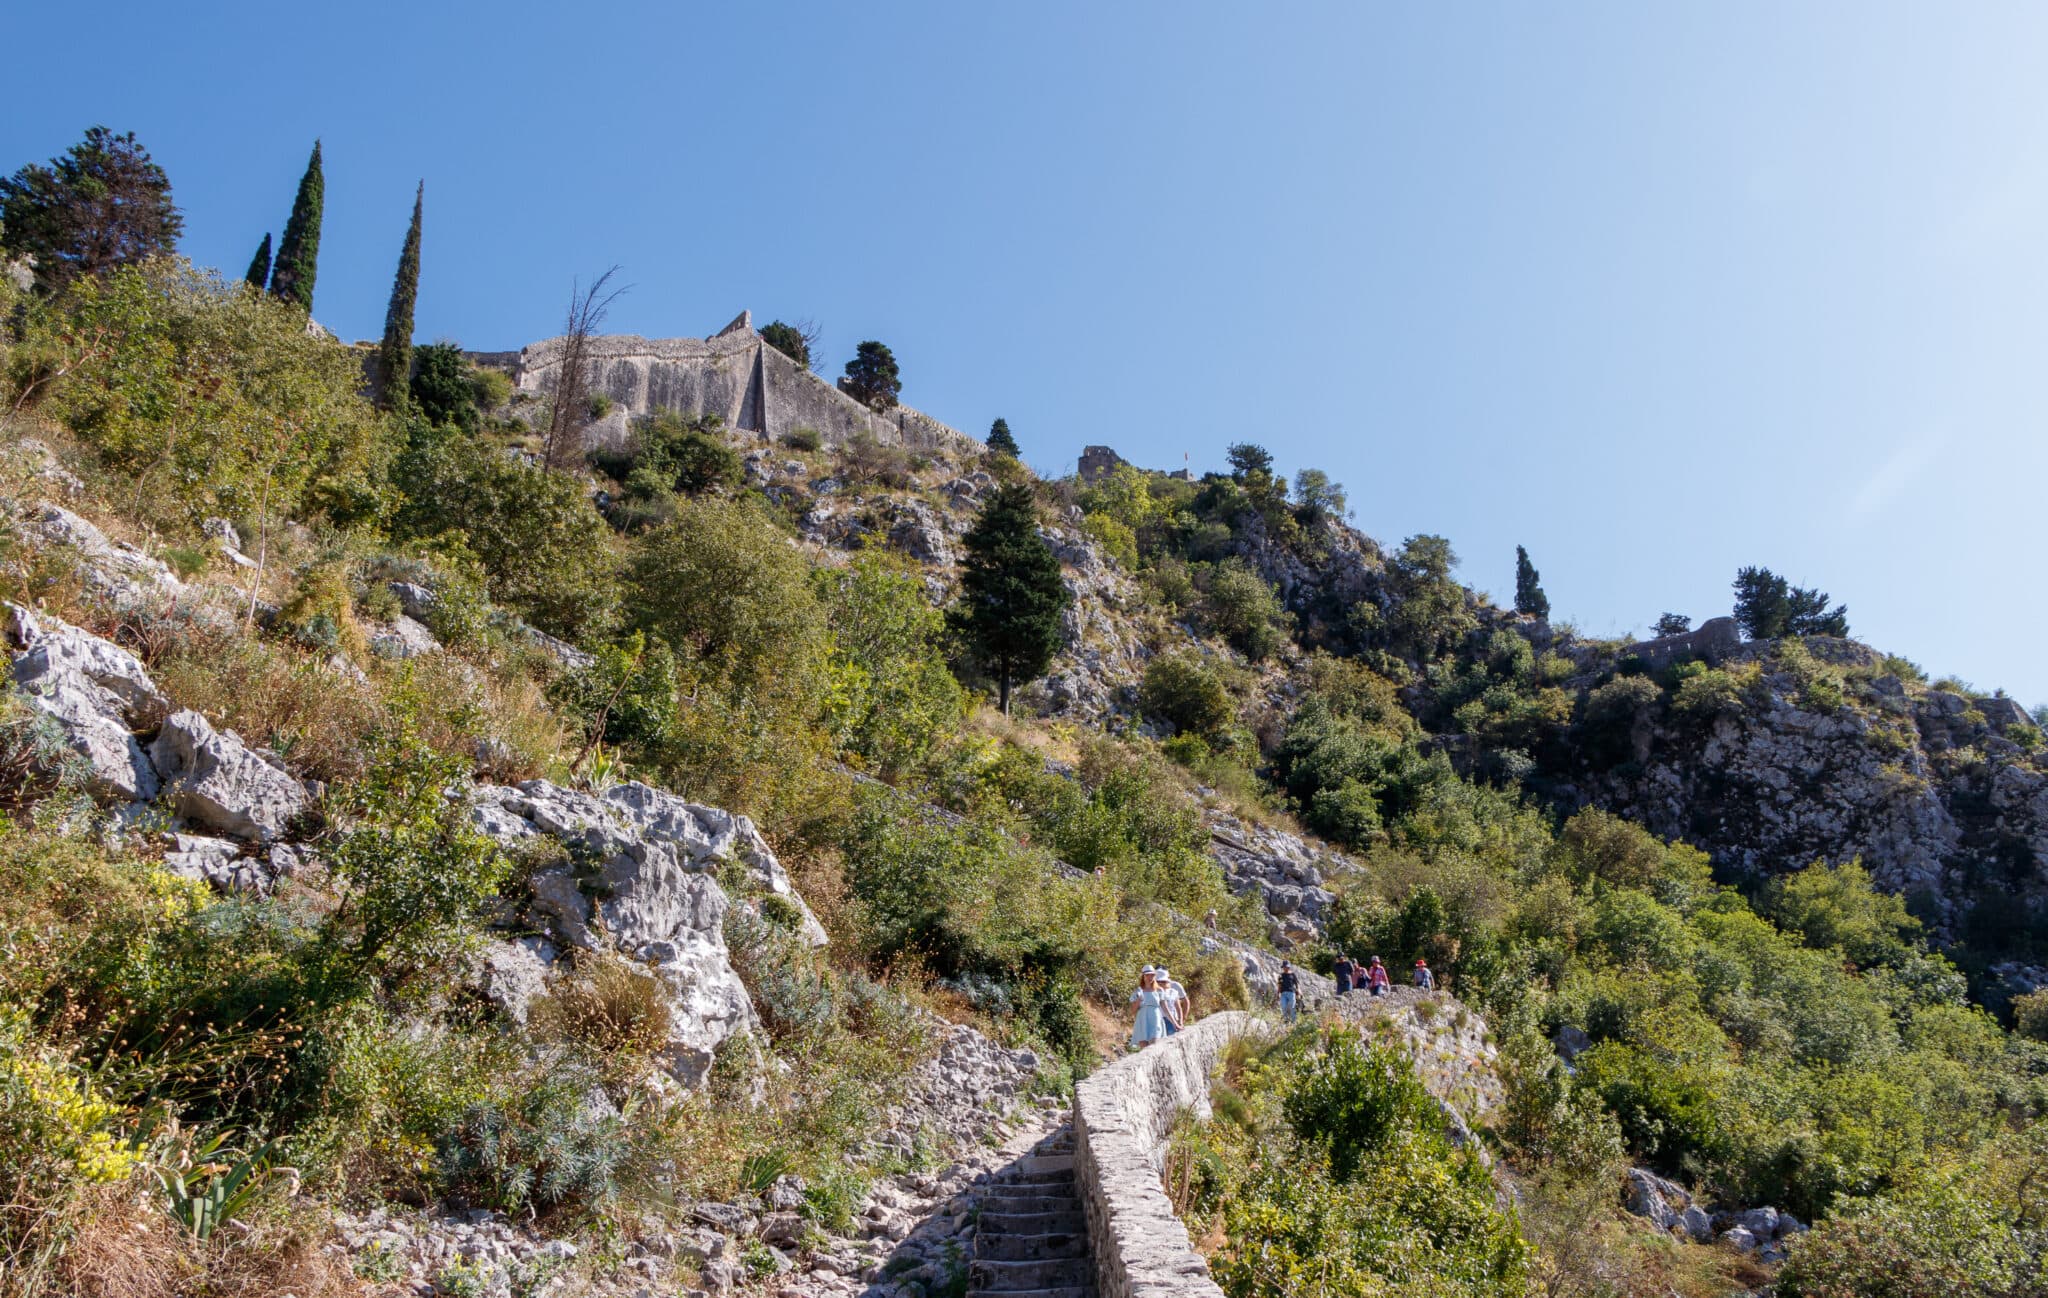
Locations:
442 854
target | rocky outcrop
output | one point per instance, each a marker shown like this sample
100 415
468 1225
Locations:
213 779
1285 871
635 877
115 571
1123 1114
97 694
1670 1207
103 702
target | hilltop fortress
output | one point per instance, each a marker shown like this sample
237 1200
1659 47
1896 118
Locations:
733 374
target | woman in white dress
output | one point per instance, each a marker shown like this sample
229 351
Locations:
1151 1003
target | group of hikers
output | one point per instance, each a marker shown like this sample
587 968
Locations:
1163 1005
1350 975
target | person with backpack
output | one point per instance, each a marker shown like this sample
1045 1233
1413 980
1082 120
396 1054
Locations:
1376 978
1290 993
1341 971
1423 977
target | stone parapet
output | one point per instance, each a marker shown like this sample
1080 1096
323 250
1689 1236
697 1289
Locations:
1122 1116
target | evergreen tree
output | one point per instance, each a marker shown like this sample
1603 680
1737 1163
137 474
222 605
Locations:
872 377
1249 459
999 439
1768 607
396 353
788 339
1671 624
1011 595
104 204
298 251
258 274
1529 596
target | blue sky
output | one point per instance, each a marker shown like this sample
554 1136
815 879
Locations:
1654 290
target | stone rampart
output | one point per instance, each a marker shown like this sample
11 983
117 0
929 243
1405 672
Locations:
1122 1116
1712 640
734 375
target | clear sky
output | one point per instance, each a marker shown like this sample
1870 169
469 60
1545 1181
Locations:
1654 290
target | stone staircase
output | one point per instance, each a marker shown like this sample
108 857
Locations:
1031 1240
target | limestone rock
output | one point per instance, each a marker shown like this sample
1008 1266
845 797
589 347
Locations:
97 693
404 638
116 571
214 779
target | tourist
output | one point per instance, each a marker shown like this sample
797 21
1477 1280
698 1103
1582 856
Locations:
1341 971
1290 992
1376 978
1151 1021
1423 977
1176 1006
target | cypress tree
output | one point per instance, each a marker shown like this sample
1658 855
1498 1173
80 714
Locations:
298 251
999 439
1529 596
396 352
258 274
1011 595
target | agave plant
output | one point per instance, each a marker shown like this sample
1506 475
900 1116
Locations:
214 1183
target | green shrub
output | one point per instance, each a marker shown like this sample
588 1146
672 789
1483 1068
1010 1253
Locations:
803 438
540 1144
542 547
1184 692
215 401
444 388
1243 608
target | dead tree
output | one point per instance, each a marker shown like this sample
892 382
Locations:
587 308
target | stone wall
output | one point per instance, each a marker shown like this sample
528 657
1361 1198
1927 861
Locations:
734 375
1122 1115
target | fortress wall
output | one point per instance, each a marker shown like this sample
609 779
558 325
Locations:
736 376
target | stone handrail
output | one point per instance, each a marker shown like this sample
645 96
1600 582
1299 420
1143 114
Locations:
1122 1115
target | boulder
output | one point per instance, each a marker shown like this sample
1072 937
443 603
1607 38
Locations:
404 638
214 779
1654 1199
96 692
639 882
1571 1042
1740 1239
114 570
1759 1222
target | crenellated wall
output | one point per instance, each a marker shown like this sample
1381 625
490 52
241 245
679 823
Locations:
1122 1116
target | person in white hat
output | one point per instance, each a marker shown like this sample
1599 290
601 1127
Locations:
1176 1006
1151 1002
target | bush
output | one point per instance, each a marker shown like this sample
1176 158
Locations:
544 549
1182 691
1616 718
213 399
1352 1100
687 455
614 1009
803 439
892 696
1242 607
445 389
541 1144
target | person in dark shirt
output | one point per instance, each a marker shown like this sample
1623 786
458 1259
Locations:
1290 990
1342 973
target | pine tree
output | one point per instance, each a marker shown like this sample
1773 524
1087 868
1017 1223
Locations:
258 274
396 353
1011 595
104 204
1529 596
298 251
872 377
999 439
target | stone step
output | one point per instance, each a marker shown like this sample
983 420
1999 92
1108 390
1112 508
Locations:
1003 1203
1064 1291
1031 1163
1002 1276
1039 1178
1030 1248
1051 1221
